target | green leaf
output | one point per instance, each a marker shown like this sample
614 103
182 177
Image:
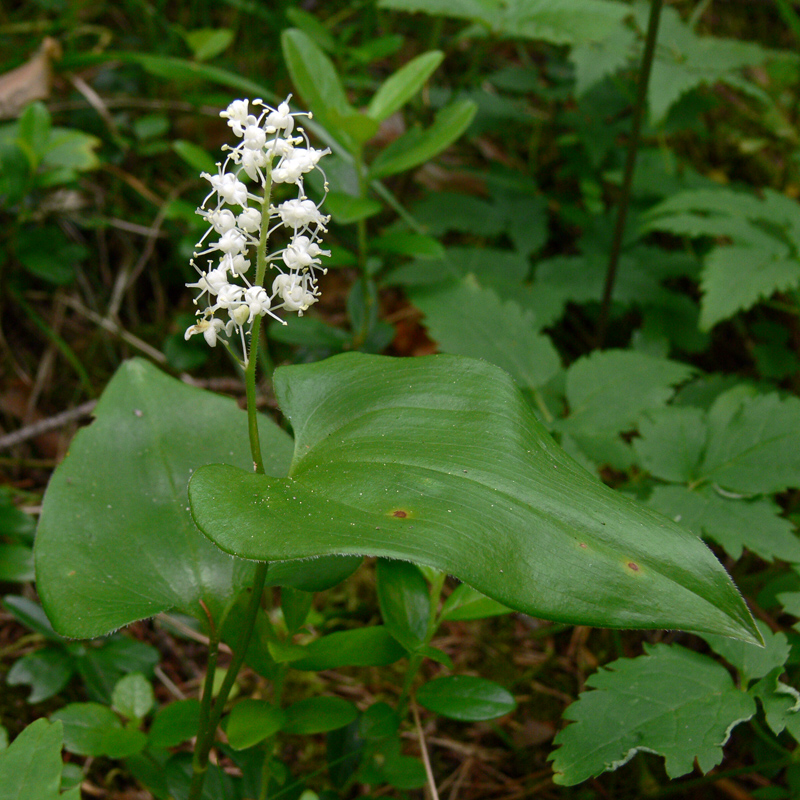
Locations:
671 701
373 646
30 768
404 600
115 541
133 696
46 671
608 390
207 43
750 660
671 443
16 563
762 257
685 61
736 278
252 721
34 127
780 702
175 724
87 726
467 603
417 146
400 87
379 721
756 449
314 75
502 333
440 461
196 157
732 523
346 209
466 698
318 715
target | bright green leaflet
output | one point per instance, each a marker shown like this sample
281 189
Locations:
670 701
116 542
440 461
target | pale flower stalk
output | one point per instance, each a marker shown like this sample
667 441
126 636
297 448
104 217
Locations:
241 219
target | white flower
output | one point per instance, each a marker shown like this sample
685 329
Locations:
294 291
280 119
229 188
254 137
234 241
237 116
208 327
237 264
267 152
249 220
300 214
229 295
257 301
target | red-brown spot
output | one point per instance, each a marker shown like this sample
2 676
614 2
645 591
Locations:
633 565
400 514
583 545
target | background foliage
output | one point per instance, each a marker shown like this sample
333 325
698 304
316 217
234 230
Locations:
473 202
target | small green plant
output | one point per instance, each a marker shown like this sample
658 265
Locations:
437 462
467 479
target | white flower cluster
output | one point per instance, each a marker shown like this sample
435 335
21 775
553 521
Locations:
243 221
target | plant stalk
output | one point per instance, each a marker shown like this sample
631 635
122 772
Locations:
630 165
211 711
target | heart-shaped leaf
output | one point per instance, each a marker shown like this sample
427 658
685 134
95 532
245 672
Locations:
116 542
440 461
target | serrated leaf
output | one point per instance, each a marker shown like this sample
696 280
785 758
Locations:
440 461
596 59
555 21
401 86
755 450
732 523
671 443
762 257
671 701
736 278
781 703
419 145
500 332
685 61
608 390
750 660
115 541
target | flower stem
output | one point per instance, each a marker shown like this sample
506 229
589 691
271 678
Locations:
212 710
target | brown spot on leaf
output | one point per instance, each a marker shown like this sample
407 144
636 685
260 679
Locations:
633 565
399 513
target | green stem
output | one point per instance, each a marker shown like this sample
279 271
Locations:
415 661
208 727
630 164
212 711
